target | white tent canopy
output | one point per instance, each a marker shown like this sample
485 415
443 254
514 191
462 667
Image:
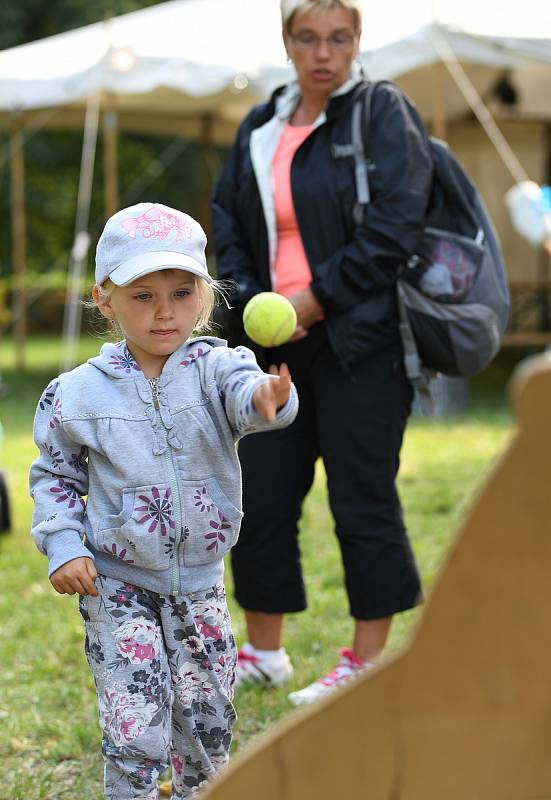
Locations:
188 57
192 68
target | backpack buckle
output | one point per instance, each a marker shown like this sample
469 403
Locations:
345 150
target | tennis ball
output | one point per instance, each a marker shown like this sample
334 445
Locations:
269 319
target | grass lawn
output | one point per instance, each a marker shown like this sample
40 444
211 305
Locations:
49 737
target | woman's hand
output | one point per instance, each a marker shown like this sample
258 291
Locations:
77 576
273 394
308 311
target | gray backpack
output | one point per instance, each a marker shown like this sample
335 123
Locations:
452 294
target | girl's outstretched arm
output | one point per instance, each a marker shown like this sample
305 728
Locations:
252 400
272 395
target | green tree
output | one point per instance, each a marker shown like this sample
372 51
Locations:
150 168
26 22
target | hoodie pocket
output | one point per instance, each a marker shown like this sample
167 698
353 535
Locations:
211 521
143 533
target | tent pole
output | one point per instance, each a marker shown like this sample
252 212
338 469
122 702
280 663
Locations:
544 256
439 115
19 236
206 153
110 155
73 307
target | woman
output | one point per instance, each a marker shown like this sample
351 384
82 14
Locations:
283 221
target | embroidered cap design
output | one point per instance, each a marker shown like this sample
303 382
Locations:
158 223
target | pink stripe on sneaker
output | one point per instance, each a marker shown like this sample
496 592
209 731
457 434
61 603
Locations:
351 656
242 656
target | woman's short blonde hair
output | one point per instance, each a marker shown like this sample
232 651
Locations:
210 294
290 8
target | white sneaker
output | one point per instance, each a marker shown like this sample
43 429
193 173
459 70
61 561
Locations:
349 667
255 667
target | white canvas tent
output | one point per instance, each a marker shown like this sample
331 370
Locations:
194 67
177 60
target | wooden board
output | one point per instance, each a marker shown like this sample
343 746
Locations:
465 712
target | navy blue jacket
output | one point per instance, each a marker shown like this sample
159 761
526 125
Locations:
354 267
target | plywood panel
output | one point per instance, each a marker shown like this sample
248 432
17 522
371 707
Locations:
465 712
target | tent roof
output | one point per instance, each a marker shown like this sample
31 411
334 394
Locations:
189 57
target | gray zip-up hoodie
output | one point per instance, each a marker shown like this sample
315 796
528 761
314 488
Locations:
156 458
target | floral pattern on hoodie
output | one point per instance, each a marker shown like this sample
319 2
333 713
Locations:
104 431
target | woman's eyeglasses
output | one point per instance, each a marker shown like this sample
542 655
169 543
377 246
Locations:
305 40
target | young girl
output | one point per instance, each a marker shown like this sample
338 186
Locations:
147 430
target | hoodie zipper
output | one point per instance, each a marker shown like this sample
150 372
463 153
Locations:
176 504
154 383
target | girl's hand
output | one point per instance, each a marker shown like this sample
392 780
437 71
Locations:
77 576
272 395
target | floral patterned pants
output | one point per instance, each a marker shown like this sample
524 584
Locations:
164 671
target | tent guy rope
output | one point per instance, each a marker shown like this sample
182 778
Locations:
478 107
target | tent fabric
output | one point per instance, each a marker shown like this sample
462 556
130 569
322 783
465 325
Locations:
191 56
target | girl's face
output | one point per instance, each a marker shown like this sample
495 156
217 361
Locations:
322 44
157 314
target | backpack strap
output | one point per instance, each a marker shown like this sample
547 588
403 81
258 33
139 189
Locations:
418 376
359 127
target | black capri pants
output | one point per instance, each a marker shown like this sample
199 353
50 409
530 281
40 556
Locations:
355 422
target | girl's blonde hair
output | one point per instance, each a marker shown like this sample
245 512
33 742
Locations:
210 293
290 8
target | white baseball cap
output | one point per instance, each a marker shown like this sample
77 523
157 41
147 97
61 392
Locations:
146 238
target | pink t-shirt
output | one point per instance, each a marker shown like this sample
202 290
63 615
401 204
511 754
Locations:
292 271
